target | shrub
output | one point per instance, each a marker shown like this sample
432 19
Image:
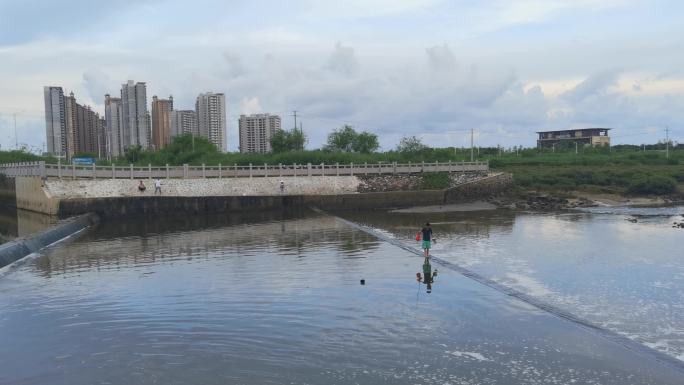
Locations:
496 163
435 180
653 184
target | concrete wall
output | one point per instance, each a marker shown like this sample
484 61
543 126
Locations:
376 200
479 189
31 196
160 206
19 248
8 194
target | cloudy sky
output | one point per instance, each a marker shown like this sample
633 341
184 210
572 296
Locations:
430 68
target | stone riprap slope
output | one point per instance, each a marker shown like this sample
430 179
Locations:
409 182
106 188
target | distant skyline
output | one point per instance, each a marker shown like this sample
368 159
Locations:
430 68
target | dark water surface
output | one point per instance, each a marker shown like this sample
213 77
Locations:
16 223
276 299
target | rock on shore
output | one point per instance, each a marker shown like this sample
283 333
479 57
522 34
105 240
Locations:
541 202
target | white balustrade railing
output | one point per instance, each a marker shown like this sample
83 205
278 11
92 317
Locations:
71 171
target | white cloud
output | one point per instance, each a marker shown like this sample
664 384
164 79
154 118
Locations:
432 68
343 60
363 8
595 84
97 83
250 106
441 58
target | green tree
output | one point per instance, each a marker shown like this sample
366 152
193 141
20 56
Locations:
346 139
279 142
132 154
365 143
186 143
297 140
286 141
342 139
410 145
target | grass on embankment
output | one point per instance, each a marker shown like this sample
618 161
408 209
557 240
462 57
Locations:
614 179
618 171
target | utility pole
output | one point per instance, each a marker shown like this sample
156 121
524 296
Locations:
667 142
301 132
472 150
16 139
294 113
575 147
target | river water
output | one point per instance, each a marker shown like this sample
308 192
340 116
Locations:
276 299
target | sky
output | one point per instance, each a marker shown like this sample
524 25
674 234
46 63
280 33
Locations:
431 68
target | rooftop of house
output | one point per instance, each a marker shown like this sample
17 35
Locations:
575 129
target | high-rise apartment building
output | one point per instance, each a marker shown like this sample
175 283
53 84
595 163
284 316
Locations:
184 122
71 111
83 127
161 122
256 131
211 118
55 121
135 117
114 126
102 141
86 130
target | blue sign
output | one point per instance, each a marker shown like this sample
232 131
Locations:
83 161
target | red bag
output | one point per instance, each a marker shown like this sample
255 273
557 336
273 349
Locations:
418 236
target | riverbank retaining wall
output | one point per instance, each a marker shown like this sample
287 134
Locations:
161 205
17 249
120 198
8 190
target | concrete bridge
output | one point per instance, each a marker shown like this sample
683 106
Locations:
44 170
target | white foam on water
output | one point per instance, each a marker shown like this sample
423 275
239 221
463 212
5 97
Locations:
472 355
528 284
384 232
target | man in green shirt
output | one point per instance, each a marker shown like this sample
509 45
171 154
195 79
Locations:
427 238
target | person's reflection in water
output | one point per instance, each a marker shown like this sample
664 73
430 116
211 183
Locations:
428 276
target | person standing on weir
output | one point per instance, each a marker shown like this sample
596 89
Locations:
157 186
427 239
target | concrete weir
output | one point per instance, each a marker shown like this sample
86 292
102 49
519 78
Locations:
15 250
